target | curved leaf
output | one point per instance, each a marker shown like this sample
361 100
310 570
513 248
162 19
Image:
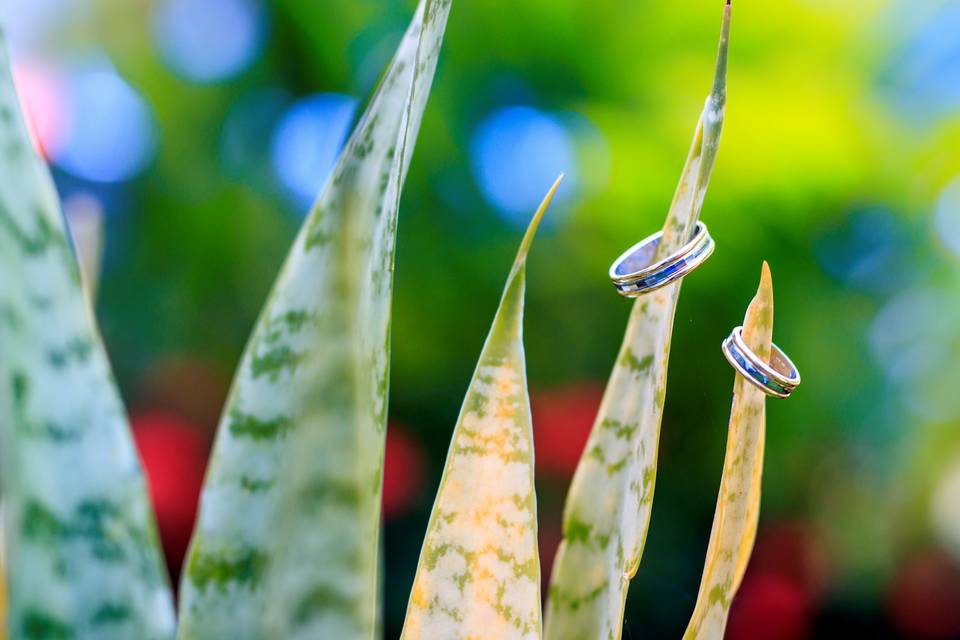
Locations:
738 505
286 544
81 545
479 571
608 508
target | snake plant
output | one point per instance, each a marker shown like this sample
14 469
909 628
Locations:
81 549
287 539
286 544
610 500
738 503
479 571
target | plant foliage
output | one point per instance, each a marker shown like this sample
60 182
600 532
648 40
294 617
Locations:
287 541
608 508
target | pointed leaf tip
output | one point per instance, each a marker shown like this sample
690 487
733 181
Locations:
760 311
738 503
535 222
764 295
765 289
288 580
590 604
479 568
720 74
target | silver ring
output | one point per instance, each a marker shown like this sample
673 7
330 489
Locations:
634 273
777 378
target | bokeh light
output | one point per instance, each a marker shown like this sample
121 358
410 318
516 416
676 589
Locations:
915 340
925 76
562 422
174 454
517 152
866 250
907 348
110 134
41 91
307 141
27 24
838 165
209 40
923 596
946 218
403 471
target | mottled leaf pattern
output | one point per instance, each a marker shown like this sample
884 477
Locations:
479 572
81 548
287 540
738 504
608 507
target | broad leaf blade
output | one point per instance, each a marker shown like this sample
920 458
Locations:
608 508
479 571
738 504
287 539
82 555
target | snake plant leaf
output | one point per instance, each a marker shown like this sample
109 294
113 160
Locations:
738 504
607 512
81 548
287 539
479 571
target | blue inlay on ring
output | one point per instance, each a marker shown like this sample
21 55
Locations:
644 275
778 378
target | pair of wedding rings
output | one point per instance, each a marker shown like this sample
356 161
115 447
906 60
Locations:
637 272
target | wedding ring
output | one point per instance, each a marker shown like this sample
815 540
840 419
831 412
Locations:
635 273
777 378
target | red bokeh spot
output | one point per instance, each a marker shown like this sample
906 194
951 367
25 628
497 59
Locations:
769 607
174 455
403 472
924 596
790 550
782 588
562 419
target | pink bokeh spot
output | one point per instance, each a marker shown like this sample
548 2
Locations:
42 101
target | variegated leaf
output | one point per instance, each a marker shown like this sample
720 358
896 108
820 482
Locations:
82 555
479 571
286 545
738 504
608 508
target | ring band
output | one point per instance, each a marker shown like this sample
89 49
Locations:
777 378
634 273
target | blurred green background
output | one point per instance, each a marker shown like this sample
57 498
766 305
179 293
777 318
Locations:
199 131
